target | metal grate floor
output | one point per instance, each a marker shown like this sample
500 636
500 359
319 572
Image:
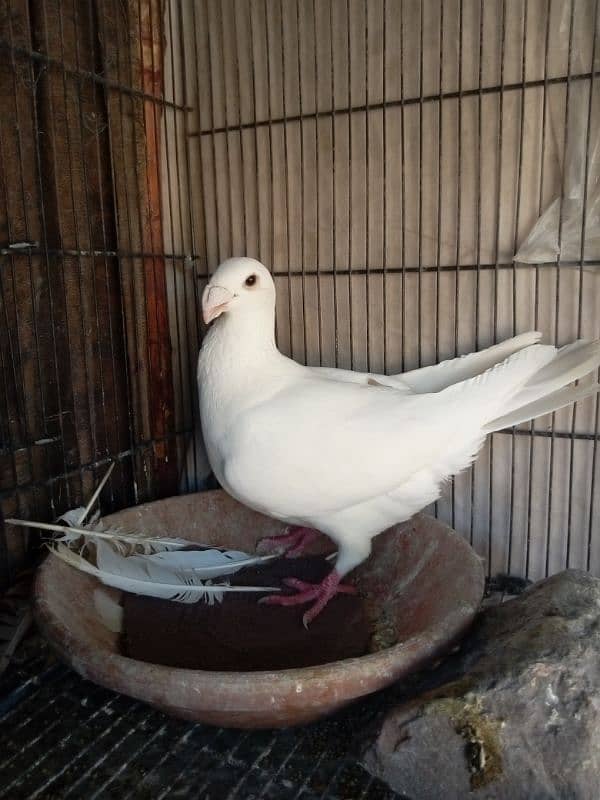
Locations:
62 736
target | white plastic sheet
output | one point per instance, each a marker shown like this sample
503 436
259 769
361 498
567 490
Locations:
569 228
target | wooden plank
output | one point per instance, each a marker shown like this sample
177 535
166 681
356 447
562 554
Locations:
119 37
132 41
80 220
24 308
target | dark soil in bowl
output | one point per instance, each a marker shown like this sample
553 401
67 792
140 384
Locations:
239 634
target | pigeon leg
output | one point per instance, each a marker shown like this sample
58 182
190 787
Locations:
293 542
320 592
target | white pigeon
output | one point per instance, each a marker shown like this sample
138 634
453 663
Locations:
346 453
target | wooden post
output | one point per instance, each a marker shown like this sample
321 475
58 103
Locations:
131 34
159 341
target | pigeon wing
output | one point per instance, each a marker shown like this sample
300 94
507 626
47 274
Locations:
319 446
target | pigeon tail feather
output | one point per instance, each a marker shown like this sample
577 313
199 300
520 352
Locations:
549 389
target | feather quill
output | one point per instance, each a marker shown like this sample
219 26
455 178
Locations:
72 533
148 578
85 511
148 544
75 517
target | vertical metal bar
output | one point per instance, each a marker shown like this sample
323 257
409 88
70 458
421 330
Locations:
499 172
254 120
438 259
166 162
181 200
302 167
148 185
458 186
384 285
496 256
211 105
511 509
420 200
204 251
317 178
584 222
219 6
350 304
438 253
239 104
458 209
558 268
333 190
403 189
270 128
597 400
287 183
478 199
367 192
537 286
478 241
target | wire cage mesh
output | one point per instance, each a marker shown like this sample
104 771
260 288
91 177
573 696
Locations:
386 159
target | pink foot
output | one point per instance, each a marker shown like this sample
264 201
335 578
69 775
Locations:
321 592
293 542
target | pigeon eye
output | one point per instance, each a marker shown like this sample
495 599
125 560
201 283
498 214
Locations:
250 280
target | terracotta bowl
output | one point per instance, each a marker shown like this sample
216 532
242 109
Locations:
423 585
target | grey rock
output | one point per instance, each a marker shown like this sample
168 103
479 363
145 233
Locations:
514 715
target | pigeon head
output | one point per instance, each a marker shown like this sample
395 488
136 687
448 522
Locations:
239 285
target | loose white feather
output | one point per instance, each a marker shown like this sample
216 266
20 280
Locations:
150 580
153 552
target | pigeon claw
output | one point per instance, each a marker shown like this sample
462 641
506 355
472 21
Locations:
293 542
321 593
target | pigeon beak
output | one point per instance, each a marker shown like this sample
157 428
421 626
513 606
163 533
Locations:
215 300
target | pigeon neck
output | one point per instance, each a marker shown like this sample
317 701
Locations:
249 332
